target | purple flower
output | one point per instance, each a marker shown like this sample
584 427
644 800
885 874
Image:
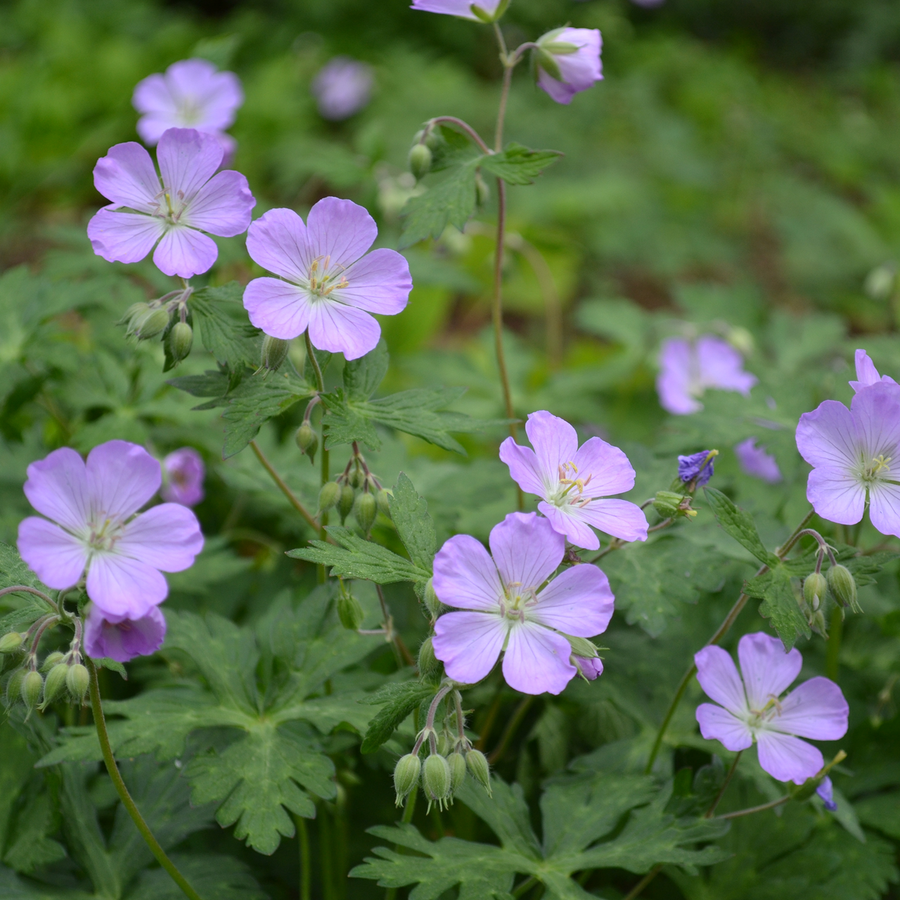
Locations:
687 369
699 466
572 479
752 711
94 504
506 609
488 9
648 3
191 94
589 669
866 373
172 209
121 638
331 284
826 791
568 61
184 472
856 458
342 87
755 461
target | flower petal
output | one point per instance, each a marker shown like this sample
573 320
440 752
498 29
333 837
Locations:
124 639
127 178
721 366
766 669
379 282
57 557
717 724
185 252
124 237
523 467
829 436
876 411
718 676
526 549
461 8
884 507
465 575
557 90
608 467
536 660
673 384
815 709
620 518
166 537
340 229
122 477
569 521
222 206
342 329
125 587
279 308
468 644
836 495
211 96
554 440
788 758
58 488
187 160
578 602
582 68
278 241
866 373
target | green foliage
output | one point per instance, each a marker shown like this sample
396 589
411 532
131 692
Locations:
739 525
397 701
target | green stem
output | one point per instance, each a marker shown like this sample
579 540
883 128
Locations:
525 886
305 858
122 790
325 854
755 809
644 882
279 481
508 65
320 384
833 646
725 783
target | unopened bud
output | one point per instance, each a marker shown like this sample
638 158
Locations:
383 501
582 647
817 623
406 775
180 340
430 599
12 642
151 323
364 509
357 477
32 685
348 495
77 681
807 789
56 683
420 160
14 687
329 496
52 660
814 590
457 763
274 352
842 585
481 771
428 662
436 779
667 503
308 442
134 314
349 611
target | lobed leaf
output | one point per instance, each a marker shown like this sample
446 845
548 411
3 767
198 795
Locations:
518 164
738 524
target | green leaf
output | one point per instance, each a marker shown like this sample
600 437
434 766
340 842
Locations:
449 202
397 701
218 316
779 603
409 513
519 165
362 376
212 383
739 525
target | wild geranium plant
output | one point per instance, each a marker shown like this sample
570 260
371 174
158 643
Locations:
444 644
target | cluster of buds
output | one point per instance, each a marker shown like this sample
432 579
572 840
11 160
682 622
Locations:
306 438
837 581
165 318
356 491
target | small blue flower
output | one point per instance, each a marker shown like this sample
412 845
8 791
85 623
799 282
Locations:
697 466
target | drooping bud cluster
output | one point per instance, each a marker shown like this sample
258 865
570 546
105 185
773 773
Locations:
838 582
358 492
165 318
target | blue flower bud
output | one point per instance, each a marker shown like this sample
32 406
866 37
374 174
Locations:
698 467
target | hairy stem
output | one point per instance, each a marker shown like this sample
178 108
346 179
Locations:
755 809
122 790
725 783
17 588
463 126
636 890
279 481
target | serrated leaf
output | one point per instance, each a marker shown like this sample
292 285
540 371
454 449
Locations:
397 701
211 383
518 164
449 202
738 524
230 338
409 513
779 603
362 376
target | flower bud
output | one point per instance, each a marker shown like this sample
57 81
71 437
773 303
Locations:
481 771
818 624
274 352
14 687
357 477
348 495
807 789
420 160
814 590
582 647
308 442
329 496
666 503
349 611
842 585
428 663
150 324
430 599
77 681
12 642
55 684
436 779
364 509
457 763
406 775
32 685
52 659
180 340
133 315
383 502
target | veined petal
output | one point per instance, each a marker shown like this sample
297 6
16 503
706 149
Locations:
166 537
124 237
836 494
884 506
866 373
278 241
876 411
608 466
122 477
124 639
554 440
279 308
187 160
57 557
788 758
830 436
185 252
125 587
566 520
766 669
340 229
815 709
465 575
222 206
342 329
523 467
526 549
58 488
468 644
717 724
379 282
536 660
620 518
578 601
127 178
718 676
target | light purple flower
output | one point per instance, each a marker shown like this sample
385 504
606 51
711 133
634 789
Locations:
867 374
568 62
184 472
170 210
590 669
506 609
826 791
572 480
330 283
687 369
120 638
342 87
750 709
698 465
191 94
757 462
462 8
94 504
856 458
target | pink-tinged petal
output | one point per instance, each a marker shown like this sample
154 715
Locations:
677 363
187 160
277 307
876 411
125 587
166 537
536 660
278 241
717 724
185 252
468 644
523 467
836 495
222 206
55 556
766 669
578 602
815 709
884 507
465 575
554 440
124 237
721 366
122 477
608 467
58 488
718 676
379 282
829 436
461 8
342 329
340 229
123 639
127 178
567 521
526 549
620 518
787 758
557 90
581 69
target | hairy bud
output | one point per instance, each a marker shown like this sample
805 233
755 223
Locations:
814 590
348 495
480 769
308 441
55 683
843 586
329 496
349 611
77 681
457 763
364 509
428 662
133 315
52 660
666 503
406 775
582 647
14 687
383 502
436 779
274 352
12 642
430 599
150 324
420 160
32 685
180 340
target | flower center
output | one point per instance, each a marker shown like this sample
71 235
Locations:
877 468
571 486
761 717
190 111
103 534
172 211
516 600
321 281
